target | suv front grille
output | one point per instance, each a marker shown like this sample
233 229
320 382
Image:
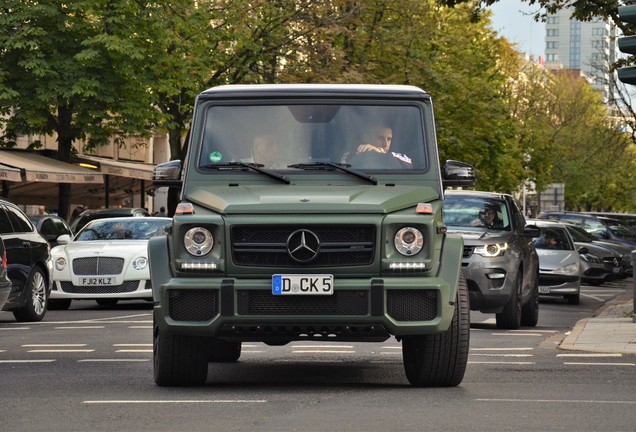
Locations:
468 251
192 305
266 245
412 305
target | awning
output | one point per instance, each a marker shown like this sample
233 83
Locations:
39 168
136 170
10 174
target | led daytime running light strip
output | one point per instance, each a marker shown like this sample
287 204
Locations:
408 266
197 266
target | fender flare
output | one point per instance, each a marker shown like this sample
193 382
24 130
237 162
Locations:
159 264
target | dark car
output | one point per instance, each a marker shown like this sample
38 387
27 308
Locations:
500 262
28 264
601 227
602 262
5 282
51 227
89 215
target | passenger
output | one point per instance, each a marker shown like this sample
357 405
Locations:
491 217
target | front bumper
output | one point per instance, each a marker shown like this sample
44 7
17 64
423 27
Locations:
359 309
490 281
555 284
129 289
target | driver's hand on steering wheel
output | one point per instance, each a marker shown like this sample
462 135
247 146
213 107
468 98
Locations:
369 147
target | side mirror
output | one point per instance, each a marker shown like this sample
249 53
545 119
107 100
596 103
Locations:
583 250
458 173
167 174
531 231
64 239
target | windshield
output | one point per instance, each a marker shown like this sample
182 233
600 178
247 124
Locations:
580 235
468 211
553 237
123 229
291 137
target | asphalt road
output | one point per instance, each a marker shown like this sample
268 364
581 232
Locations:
90 369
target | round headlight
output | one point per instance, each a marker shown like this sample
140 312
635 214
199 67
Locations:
60 263
408 241
140 263
198 241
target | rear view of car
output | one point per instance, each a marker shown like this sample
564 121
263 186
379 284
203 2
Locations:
499 260
106 261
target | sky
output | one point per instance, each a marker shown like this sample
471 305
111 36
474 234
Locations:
513 20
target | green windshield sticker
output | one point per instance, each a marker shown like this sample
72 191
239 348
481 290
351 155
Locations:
216 156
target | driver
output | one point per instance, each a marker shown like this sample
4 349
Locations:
378 139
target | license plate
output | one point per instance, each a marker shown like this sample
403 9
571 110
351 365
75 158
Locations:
544 290
321 284
96 281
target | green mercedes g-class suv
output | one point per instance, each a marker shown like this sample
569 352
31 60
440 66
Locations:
310 212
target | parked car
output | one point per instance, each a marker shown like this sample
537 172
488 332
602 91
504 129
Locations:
603 262
500 262
106 261
601 227
51 227
559 261
28 262
88 215
5 282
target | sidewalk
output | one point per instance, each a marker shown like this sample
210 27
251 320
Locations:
613 330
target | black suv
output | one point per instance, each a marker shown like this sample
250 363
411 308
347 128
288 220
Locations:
29 264
500 262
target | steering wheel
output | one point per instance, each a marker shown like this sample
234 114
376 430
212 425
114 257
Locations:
374 160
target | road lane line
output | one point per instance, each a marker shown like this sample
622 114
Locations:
591 355
52 345
568 401
133 345
501 355
322 352
322 346
503 349
14 328
79 327
175 401
111 360
61 350
502 363
27 361
597 364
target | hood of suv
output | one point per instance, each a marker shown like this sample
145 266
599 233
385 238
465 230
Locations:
314 199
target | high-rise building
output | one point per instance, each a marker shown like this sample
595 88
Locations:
586 46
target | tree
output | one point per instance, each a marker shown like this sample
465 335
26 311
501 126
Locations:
70 69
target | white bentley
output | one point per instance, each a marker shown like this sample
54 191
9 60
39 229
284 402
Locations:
106 261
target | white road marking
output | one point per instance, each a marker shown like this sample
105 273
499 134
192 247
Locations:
517 334
502 363
503 349
501 355
140 327
27 361
568 401
79 328
133 345
111 360
52 345
15 328
134 351
591 355
322 346
598 364
61 350
322 352
94 402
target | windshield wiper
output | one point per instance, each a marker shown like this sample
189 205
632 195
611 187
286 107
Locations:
341 167
250 166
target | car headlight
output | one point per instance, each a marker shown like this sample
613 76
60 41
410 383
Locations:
198 241
568 269
591 258
408 241
492 250
60 263
140 263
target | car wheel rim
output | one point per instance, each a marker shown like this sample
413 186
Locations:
38 293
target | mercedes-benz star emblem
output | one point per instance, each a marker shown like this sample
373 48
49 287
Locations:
303 246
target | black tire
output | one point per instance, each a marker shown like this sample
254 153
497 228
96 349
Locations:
530 310
59 304
440 360
107 302
573 299
510 317
35 304
180 360
224 351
